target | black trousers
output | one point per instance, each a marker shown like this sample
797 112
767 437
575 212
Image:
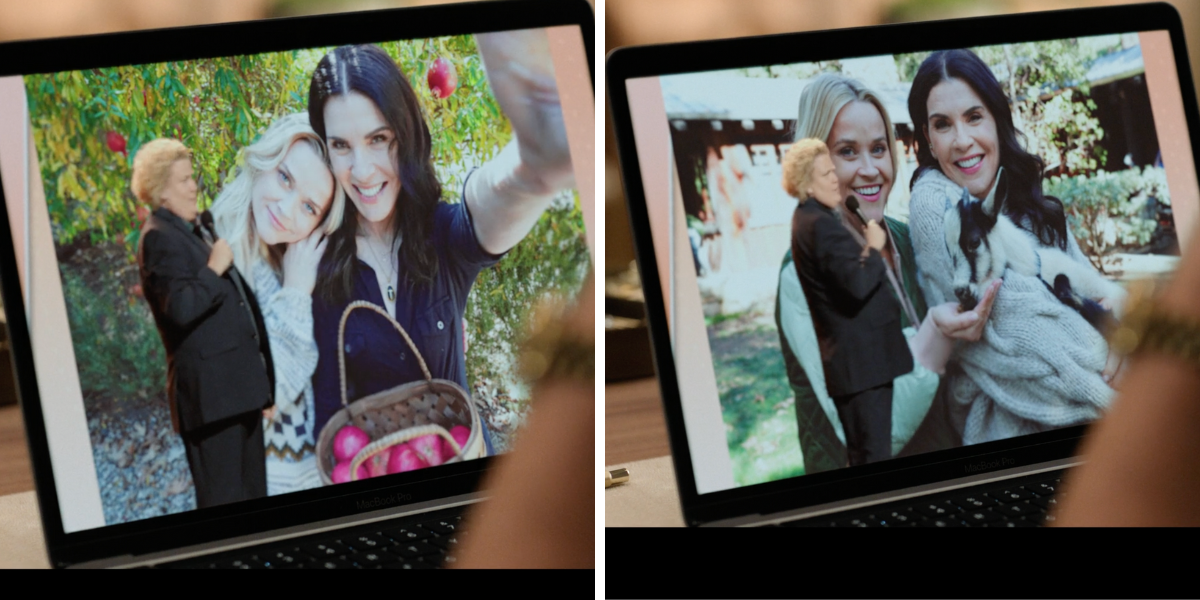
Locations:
867 420
228 460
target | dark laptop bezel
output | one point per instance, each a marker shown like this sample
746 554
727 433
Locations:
899 473
141 47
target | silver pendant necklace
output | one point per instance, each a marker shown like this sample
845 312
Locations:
391 290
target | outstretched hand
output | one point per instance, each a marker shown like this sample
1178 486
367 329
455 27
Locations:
965 325
521 75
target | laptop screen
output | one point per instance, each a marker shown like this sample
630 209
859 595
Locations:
192 237
1017 189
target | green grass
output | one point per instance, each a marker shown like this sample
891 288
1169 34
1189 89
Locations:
756 400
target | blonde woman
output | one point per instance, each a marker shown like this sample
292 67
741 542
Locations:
854 124
275 214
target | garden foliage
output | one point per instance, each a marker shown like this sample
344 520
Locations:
1111 212
88 125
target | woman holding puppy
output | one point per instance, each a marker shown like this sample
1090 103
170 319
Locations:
859 134
1039 364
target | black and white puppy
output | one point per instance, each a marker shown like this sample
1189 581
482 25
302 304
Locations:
983 241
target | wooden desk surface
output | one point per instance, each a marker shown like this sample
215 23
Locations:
634 425
635 437
16 474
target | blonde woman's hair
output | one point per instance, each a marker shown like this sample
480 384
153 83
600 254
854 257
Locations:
798 166
825 96
232 216
152 168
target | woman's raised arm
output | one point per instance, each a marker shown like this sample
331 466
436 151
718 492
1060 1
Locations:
509 193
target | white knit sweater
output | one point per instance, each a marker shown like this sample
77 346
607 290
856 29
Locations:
1038 365
287 313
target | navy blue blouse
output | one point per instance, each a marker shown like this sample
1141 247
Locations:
377 358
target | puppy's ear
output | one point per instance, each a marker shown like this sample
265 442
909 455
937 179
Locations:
995 198
952 224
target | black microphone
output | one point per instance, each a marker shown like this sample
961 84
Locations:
206 221
851 203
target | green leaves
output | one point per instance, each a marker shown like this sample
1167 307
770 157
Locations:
1110 212
219 106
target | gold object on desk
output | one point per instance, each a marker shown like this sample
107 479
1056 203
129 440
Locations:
1146 326
616 477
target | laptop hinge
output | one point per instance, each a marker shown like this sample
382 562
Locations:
894 495
278 535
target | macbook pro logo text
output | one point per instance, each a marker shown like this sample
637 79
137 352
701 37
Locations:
989 465
382 501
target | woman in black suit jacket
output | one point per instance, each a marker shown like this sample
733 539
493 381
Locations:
857 321
219 375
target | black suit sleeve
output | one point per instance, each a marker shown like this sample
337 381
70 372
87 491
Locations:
841 259
185 295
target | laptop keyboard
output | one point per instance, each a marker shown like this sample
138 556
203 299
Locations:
1019 502
426 541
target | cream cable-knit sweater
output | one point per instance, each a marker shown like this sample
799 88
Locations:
287 314
1038 365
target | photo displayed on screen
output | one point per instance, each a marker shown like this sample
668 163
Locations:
1005 197
231 232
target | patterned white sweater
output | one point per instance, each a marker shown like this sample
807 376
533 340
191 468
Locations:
287 313
1038 365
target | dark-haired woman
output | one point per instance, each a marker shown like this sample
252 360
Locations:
1039 364
399 246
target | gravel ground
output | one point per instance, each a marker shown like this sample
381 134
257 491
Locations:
140 462
142 469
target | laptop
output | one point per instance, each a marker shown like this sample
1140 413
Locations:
1096 110
111 332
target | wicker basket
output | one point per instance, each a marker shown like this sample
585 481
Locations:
405 412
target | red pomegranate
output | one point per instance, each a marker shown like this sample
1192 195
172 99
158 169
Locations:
403 459
442 78
348 441
115 141
143 212
341 473
429 448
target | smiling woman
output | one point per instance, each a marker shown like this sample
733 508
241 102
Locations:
860 136
275 213
966 139
400 246
861 147
962 136
290 200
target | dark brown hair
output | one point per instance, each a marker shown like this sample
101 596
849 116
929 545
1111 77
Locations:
369 71
1026 204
